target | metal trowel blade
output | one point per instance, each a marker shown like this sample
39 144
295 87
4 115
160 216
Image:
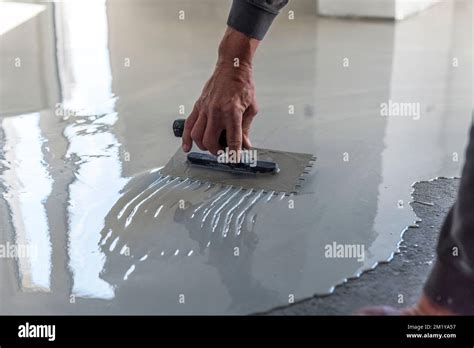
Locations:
292 168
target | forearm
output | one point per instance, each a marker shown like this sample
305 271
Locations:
236 50
249 21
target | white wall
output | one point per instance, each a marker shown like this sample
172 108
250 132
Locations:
391 9
28 81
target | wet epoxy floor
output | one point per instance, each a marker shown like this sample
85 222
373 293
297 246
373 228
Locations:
86 112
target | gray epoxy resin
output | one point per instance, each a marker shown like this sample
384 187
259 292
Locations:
293 167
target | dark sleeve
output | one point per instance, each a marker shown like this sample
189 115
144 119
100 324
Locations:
254 17
451 282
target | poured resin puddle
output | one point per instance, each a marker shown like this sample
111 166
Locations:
85 131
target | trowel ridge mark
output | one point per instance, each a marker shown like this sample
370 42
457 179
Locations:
122 211
241 216
429 204
158 211
208 210
113 245
209 186
270 195
230 213
171 189
129 272
191 184
130 217
197 209
107 236
203 203
217 214
200 184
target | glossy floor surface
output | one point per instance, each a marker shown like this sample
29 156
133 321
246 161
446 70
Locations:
89 90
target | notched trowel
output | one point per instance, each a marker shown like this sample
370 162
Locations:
268 170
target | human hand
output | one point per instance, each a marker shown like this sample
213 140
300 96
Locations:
227 101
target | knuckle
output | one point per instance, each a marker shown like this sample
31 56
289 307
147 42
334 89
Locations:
238 109
200 145
255 110
197 104
215 109
206 142
195 134
234 143
235 123
229 107
187 125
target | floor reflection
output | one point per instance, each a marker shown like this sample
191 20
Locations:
27 186
86 80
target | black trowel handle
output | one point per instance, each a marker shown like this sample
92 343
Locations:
178 129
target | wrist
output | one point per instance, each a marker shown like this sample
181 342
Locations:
236 50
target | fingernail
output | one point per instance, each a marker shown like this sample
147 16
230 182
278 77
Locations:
186 147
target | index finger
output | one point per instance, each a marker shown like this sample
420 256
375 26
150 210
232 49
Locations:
187 141
234 134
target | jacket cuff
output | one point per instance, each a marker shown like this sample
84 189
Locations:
451 289
250 20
